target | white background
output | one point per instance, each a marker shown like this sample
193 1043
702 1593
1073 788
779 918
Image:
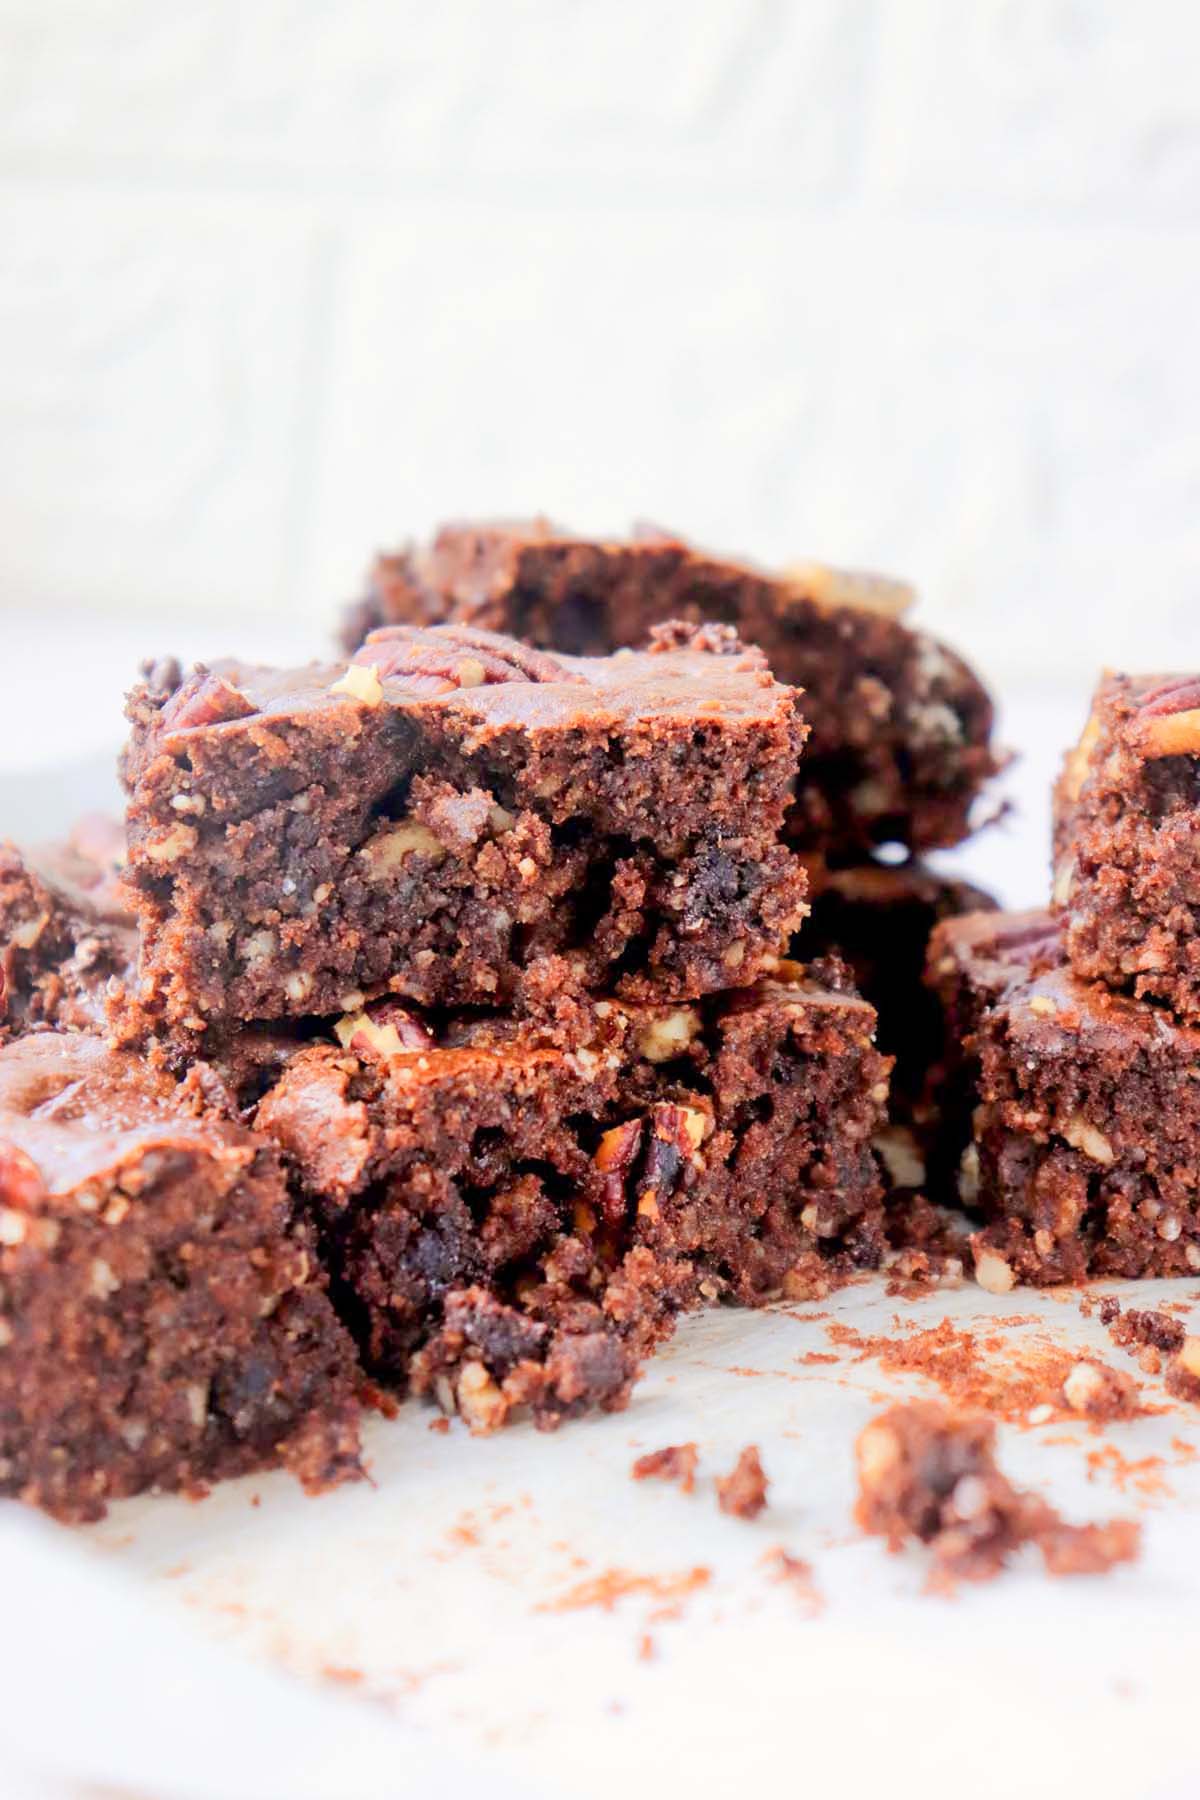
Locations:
910 283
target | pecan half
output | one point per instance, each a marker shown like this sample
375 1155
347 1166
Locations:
441 658
205 699
1168 721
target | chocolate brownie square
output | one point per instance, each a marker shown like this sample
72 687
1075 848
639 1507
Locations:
447 812
66 930
901 726
1127 841
1086 1112
163 1321
514 1214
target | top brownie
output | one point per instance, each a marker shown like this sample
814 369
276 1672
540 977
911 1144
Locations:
900 725
1127 841
459 819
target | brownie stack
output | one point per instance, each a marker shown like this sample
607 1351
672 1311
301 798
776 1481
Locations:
447 1015
1072 1099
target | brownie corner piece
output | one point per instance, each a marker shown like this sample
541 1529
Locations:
516 1214
163 1320
1081 1109
1127 841
901 725
446 812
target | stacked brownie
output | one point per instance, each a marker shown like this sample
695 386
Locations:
448 1019
1072 1104
505 931
899 750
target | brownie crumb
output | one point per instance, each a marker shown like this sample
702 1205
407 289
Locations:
927 1473
1183 1371
676 1462
1138 1326
1100 1392
798 1574
743 1492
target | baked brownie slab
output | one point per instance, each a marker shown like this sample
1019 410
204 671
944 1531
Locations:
513 1216
66 930
1087 1114
446 812
900 725
1127 841
162 1323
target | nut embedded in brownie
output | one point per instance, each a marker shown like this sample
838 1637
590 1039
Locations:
163 1321
1127 841
1086 1112
901 726
66 930
447 812
512 1215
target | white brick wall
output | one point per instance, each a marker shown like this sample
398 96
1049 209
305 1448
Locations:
906 282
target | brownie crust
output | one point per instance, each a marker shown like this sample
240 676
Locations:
163 1322
513 1216
446 813
901 726
1127 841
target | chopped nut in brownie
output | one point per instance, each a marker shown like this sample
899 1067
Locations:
676 1462
931 1474
900 725
743 1492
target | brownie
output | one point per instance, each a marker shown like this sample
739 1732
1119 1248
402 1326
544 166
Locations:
163 1322
66 930
901 726
443 815
513 1214
878 918
1086 1113
1127 841
971 960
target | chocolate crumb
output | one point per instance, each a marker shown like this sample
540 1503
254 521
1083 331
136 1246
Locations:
676 1462
927 1473
743 1492
1157 1330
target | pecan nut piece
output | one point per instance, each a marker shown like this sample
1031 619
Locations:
387 1028
434 660
1168 721
614 1158
205 699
